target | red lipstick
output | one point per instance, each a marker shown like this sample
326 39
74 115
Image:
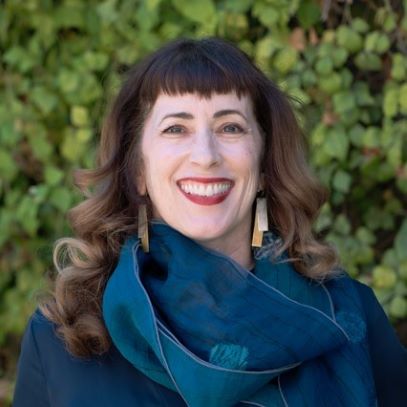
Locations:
206 200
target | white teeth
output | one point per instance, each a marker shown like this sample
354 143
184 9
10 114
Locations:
205 189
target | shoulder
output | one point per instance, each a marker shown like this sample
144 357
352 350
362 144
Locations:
367 297
48 375
42 339
40 328
388 356
31 381
376 319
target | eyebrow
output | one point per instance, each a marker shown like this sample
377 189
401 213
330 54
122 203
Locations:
189 116
227 112
179 115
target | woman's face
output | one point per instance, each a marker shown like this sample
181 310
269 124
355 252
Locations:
201 166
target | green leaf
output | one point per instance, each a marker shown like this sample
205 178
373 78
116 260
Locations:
394 152
265 48
79 116
83 135
169 31
40 146
367 61
238 6
308 78
308 13
362 94
390 102
398 307
384 277
6 220
356 135
26 214
400 242
95 60
19 58
403 270
52 175
399 67
285 59
403 99
330 84
128 54
10 133
339 57
68 81
43 99
371 137
324 66
89 91
360 25
8 166
39 192
199 12
349 39
266 13
344 101
324 219
107 11
385 18
377 42
342 181
342 225
61 198
336 143
68 16
74 144
365 235
390 259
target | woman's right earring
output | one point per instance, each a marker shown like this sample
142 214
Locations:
260 222
143 227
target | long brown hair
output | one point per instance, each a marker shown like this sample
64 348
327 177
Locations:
109 212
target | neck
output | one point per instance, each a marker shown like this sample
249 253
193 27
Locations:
236 245
239 249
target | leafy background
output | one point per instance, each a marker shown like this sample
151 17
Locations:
61 62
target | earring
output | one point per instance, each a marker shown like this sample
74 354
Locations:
143 227
260 222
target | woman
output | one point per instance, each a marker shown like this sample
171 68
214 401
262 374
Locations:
191 307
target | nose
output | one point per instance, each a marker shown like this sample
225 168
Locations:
205 150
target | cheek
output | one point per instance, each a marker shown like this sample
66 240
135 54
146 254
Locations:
157 174
252 158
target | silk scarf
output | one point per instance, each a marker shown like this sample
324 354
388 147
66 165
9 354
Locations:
200 324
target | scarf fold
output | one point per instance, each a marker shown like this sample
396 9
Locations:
198 323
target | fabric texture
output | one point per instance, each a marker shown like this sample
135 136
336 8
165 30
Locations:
49 376
199 324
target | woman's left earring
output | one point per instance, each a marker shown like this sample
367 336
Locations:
260 222
143 227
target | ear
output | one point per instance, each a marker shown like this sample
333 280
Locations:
141 184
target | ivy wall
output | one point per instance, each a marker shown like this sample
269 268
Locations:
61 61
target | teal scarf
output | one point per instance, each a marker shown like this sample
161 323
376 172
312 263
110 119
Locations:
198 323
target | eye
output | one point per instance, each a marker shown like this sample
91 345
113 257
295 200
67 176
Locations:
175 129
232 128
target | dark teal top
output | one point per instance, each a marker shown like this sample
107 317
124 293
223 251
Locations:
49 376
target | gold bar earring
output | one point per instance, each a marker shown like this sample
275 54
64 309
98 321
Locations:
260 222
143 227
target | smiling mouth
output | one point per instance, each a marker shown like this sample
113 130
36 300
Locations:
206 191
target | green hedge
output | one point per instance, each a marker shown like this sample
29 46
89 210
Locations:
345 64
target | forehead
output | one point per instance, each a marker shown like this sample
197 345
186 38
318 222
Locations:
196 104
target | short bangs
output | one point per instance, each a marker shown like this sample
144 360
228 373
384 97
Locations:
204 67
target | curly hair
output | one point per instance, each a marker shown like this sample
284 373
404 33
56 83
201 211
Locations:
108 214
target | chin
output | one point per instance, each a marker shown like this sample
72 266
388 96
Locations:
204 233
